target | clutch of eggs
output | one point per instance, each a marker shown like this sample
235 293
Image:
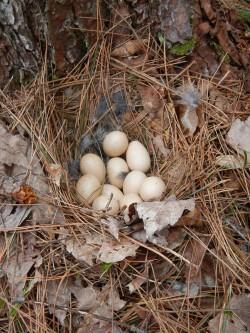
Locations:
128 182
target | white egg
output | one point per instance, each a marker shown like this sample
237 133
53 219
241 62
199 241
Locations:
117 170
132 182
88 188
128 199
103 202
108 189
137 157
93 164
152 188
115 143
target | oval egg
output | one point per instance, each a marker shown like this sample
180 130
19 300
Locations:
103 202
117 170
137 157
132 182
93 164
115 143
88 188
128 199
152 188
109 189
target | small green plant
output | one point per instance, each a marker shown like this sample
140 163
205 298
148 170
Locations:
244 14
179 49
106 266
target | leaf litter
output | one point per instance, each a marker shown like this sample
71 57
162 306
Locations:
170 257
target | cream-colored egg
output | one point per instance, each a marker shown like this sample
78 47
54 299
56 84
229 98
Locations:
132 182
128 199
115 143
88 188
109 189
137 157
117 170
103 202
152 188
93 164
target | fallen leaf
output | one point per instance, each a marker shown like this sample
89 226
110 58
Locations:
179 288
114 251
12 217
55 171
82 251
138 281
194 253
231 162
159 144
158 215
236 319
87 297
108 328
152 99
129 48
238 137
25 195
58 294
17 267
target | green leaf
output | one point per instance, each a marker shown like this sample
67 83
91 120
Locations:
106 266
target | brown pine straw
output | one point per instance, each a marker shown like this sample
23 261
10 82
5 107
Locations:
56 114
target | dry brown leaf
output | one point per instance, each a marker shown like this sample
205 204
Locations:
238 137
138 281
231 162
157 216
58 294
194 252
236 319
129 48
87 297
152 99
114 251
25 195
191 219
179 288
159 144
108 328
17 267
55 171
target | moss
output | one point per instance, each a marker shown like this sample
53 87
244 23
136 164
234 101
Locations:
179 49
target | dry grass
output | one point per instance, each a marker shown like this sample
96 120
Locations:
55 114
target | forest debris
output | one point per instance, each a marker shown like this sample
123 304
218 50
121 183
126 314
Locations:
157 216
194 252
58 294
138 281
152 99
86 297
114 251
159 144
55 171
231 162
238 137
83 252
108 328
25 195
235 319
12 217
17 268
129 48
179 288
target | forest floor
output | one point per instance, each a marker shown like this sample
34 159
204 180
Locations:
65 267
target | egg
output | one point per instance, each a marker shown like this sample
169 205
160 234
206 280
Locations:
103 202
88 188
128 199
115 143
117 170
93 164
137 157
132 182
152 188
109 189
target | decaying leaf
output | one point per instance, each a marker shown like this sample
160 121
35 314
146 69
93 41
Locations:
58 294
25 195
231 162
194 252
108 328
152 99
138 281
179 288
157 216
87 297
159 144
238 137
114 251
236 319
17 267
55 171
129 48
12 217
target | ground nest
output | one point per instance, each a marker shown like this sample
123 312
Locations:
68 268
